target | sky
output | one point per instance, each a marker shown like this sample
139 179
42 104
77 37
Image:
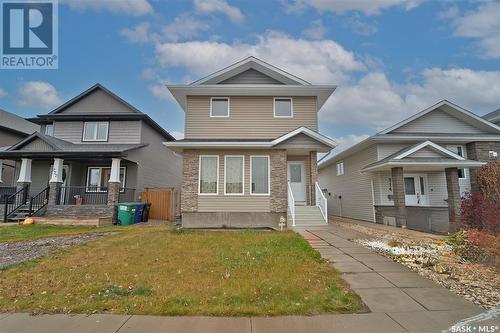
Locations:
389 58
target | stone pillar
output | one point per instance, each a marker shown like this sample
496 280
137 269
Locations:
313 166
24 179
55 182
398 191
114 187
279 181
189 190
454 199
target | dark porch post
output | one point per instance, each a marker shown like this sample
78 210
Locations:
114 187
55 183
398 191
454 199
313 167
24 179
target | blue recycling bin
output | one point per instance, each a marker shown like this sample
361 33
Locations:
139 210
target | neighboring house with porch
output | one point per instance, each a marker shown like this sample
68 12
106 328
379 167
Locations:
12 130
414 173
91 152
250 147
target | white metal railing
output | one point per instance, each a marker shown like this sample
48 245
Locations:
291 204
321 202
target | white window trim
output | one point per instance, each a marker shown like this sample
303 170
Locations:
199 175
291 107
228 107
464 155
242 175
49 125
122 189
268 175
337 168
95 140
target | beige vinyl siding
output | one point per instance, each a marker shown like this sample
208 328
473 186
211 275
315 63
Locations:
426 152
303 141
250 76
437 122
157 166
98 102
250 118
386 149
354 187
120 131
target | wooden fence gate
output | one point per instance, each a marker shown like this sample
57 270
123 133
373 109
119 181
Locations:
163 203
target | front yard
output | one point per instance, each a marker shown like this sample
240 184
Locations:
158 270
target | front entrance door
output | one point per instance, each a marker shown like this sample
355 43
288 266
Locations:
416 190
297 179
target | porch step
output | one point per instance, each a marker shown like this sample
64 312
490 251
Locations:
308 216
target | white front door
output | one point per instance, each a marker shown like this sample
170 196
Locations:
416 190
297 179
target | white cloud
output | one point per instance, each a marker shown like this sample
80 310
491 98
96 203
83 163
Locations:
360 26
368 7
3 93
482 24
128 7
138 34
183 26
322 61
348 141
38 94
179 135
219 6
160 90
316 31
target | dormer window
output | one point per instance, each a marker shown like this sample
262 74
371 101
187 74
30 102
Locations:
95 131
219 107
49 129
283 107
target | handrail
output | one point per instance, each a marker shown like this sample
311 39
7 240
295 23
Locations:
39 201
291 203
321 202
19 199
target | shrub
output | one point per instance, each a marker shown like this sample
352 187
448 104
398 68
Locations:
477 212
488 181
469 249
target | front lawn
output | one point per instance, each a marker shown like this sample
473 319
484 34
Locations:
36 231
157 270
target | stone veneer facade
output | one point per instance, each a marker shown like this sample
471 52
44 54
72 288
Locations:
479 151
279 190
189 189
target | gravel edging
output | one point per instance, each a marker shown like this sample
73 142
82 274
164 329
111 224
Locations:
12 253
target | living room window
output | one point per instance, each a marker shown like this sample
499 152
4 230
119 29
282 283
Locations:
209 175
98 177
283 107
233 174
259 173
95 131
219 107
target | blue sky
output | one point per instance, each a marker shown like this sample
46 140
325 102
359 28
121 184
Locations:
389 58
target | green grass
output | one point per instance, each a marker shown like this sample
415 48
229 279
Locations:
35 231
155 270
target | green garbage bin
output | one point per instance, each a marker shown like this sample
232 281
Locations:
126 213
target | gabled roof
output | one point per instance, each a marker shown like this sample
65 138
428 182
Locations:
17 124
251 63
87 92
454 110
427 144
493 116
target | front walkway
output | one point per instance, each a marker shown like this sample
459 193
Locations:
399 301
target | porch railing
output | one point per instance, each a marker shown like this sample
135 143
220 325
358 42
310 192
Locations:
39 201
91 195
291 204
15 201
321 202
5 192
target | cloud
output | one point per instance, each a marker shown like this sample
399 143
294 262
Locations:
316 31
348 141
160 90
183 26
3 93
360 26
219 6
179 135
38 94
138 34
322 61
128 7
482 24
367 7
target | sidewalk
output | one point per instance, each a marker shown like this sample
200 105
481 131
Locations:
399 300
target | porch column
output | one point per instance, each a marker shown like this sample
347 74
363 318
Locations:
313 167
398 191
1 171
55 182
114 182
24 173
454 199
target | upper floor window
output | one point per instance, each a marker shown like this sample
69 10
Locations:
95 131
283 107
49 129
209 174
219 107
340 168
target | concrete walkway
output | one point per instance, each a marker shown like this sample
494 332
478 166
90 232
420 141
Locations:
399 301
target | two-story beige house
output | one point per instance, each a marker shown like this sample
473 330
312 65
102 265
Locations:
91 152
250 147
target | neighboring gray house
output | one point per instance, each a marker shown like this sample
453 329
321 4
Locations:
413 173
90 153
493 117
12 129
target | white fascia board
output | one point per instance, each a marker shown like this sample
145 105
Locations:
457 164
429 144
395 138
312 134
322 92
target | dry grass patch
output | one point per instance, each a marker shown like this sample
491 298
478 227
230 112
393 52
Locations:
156 270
